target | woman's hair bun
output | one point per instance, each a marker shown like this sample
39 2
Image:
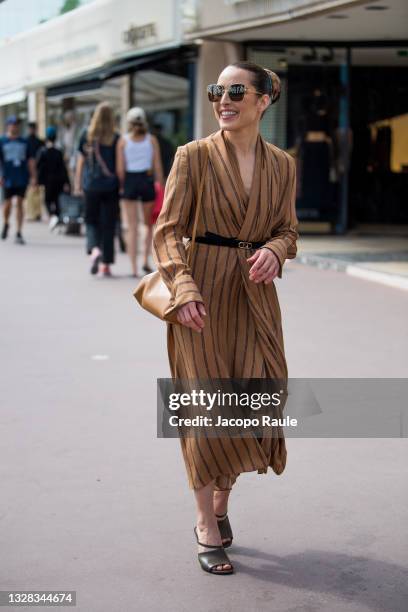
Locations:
275 85
264 80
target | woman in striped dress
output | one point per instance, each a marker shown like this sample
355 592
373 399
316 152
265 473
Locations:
226 300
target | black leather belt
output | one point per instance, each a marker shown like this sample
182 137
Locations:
211 238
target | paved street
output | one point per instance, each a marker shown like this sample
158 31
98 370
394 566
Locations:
92 501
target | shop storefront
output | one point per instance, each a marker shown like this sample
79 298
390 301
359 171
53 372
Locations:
343 112
162 83
379 120
346 120
307 123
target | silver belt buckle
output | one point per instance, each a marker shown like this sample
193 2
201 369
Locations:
245 245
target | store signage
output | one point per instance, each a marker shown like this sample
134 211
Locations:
140 35
69 56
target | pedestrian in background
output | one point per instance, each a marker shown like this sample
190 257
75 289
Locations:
34 195
34 142
139 165
17 170
52 173
225 300
69 133
96 177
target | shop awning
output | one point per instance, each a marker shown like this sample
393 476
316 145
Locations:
74 87
95 79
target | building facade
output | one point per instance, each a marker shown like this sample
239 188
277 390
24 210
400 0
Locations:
106 50
343 112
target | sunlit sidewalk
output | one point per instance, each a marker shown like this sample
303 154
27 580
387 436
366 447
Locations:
382 259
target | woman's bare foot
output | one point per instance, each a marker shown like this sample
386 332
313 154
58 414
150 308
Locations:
209 534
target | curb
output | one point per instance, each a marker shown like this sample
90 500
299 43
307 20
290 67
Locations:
392 280
358 271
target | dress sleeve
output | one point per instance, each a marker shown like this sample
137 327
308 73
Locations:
168 247
285 234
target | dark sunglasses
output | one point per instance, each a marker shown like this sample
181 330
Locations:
235 92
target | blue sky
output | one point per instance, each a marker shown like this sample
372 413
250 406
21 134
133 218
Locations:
19 15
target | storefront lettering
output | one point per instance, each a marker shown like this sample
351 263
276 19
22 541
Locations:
137 35
75 54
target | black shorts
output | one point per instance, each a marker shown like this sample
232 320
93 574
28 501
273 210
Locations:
10 192
139 186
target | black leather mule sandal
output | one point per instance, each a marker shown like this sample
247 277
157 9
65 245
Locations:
225 529
211 559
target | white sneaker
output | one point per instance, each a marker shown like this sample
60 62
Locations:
53 223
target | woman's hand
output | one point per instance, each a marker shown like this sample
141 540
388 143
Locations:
265 266
191 315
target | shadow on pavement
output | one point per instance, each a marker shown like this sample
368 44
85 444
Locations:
377 584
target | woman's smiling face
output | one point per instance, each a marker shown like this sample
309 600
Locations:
238 115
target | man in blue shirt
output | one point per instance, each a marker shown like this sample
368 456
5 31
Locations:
17 164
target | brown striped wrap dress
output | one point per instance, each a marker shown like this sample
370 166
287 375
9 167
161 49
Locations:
242 336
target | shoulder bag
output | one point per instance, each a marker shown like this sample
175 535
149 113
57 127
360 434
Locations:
97 176
152 293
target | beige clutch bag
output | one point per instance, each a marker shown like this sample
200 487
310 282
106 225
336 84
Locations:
152 293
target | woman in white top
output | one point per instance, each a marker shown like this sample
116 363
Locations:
139 165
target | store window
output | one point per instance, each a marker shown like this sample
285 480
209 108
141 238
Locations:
306 123
167 101
379 120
